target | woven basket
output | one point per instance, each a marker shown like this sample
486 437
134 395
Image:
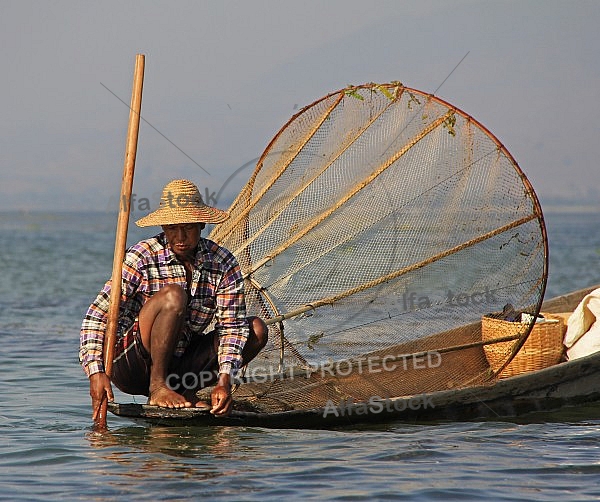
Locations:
543 347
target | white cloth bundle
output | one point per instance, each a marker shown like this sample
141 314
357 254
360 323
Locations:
583 327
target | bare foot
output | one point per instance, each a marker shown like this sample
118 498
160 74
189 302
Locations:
167 398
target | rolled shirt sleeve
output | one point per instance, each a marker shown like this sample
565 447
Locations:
232 324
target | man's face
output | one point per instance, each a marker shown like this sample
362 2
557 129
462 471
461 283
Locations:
183 238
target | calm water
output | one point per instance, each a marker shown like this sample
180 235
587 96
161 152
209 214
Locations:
54 264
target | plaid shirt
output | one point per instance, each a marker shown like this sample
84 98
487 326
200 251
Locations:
216 292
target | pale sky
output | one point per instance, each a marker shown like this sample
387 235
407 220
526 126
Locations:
222 77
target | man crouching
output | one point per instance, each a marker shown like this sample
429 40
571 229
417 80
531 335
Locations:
173 286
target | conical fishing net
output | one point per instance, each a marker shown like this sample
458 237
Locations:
379 226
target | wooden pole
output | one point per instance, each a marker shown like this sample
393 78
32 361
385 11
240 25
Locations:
122 222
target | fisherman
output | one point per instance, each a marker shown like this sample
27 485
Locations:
173 286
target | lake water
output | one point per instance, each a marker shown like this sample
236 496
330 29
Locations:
54 265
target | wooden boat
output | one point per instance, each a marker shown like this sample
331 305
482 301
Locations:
381 225
567 384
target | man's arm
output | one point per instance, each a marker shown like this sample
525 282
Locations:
91 351
91 348
233 332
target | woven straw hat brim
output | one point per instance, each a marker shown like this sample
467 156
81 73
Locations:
181 202
175 216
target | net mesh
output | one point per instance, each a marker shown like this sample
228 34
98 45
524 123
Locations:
379 226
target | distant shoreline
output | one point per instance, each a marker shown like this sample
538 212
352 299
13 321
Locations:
566 208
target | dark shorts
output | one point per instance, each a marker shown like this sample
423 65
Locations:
195 369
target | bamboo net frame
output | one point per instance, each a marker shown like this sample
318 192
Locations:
381 222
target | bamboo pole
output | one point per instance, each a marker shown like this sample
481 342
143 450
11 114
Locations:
122 222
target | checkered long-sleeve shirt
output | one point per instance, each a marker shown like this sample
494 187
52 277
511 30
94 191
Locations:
216 294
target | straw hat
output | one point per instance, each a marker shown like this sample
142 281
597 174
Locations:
181 202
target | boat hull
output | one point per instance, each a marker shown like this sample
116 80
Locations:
568 384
